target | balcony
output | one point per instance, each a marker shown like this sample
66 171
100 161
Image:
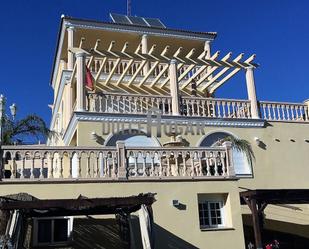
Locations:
41 163
133 83
195 107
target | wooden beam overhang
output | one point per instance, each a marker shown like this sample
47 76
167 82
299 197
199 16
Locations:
192 67
79 206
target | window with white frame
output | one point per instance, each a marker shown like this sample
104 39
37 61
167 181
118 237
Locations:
211 211
51 231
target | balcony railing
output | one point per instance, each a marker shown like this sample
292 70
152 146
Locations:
127 103
215 108
112 163
189 106
280 111
195 106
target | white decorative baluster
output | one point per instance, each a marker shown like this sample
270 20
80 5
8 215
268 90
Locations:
51 164
208 163
61 166
152 170
269 113
184 166
222 159
88 165
223 109
274 112
41 176
70 165
218 109
199 167
192 163
215 156
143 155
13 169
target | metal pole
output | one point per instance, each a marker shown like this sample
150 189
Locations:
128 7
2 108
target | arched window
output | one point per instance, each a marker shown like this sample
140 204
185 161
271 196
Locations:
241 164
140 140
133 138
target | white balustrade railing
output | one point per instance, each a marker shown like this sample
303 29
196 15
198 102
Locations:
178 162
59 162
276 111
215 108
127 103
47 162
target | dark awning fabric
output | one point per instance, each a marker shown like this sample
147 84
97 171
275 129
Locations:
81 206
276 196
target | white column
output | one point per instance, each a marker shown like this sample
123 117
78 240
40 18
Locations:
252 92
207 49
70 45
145 51
207 56
174 88
80 85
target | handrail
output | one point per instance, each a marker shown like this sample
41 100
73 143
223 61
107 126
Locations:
41 162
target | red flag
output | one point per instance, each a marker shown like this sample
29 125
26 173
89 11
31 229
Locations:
89 80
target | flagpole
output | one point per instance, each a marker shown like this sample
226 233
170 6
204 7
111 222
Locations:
2 108
128 7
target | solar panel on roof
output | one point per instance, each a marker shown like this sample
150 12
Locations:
155 22
138 21
120 18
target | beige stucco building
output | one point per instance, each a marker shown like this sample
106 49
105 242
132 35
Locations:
116 85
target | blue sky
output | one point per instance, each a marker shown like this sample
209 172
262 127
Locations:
276 30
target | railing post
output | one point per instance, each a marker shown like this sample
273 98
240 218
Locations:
306 109
229 158
80 88
70 31
121 160
207 49
174 88
252 92
145 51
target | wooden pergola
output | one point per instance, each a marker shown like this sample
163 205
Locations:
80 206
257 200
30 207
206 70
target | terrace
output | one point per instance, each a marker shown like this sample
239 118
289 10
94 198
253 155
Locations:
178 83
119 163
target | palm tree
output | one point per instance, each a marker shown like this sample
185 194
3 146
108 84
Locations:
240 145
24 129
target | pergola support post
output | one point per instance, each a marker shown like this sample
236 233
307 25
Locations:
80 85
174 88
252 92
256 223
145 51
70 31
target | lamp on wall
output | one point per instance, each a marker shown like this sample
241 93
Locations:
95 137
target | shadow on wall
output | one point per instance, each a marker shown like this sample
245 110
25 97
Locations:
168 240
163 238
89 233
96 233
